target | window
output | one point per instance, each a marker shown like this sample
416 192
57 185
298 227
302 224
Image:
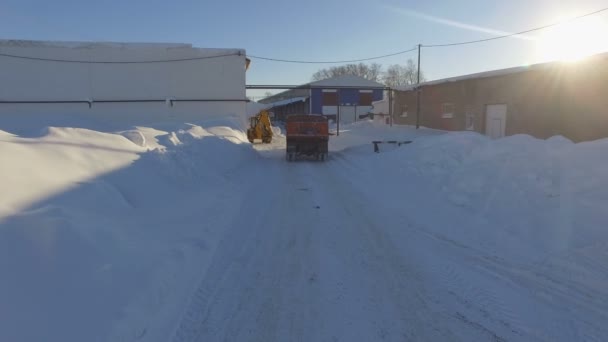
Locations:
330 97
365 97
447 111
404 111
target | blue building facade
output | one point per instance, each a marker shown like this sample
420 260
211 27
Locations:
345 97
349 97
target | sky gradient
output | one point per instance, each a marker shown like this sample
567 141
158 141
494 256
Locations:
311 30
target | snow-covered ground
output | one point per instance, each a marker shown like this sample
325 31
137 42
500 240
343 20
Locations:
189 233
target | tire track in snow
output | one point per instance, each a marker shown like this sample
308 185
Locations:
400 279
468 295
232 255
485 302
248 293
543 288
493 307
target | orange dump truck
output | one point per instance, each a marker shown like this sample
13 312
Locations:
307 135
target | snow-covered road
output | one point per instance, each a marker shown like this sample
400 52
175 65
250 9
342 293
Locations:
315 257
309 260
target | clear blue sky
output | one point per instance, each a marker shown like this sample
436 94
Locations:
311 30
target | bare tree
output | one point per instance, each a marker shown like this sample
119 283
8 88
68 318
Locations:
401 75
371 72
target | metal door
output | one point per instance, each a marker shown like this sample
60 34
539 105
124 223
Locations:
348 114
496 120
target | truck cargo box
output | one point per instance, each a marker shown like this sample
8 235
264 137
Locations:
307 135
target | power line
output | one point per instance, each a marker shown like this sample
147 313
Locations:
304 61
331 62
432 45
116 62
517 33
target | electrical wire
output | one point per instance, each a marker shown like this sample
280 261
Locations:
331 62
116 62
517 33
434 45
305 61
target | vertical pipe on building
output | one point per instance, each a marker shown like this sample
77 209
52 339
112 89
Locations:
309 100
418 91
338 113
390 106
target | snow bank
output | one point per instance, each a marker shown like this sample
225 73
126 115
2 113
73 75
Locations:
519 198
358 136
136 137
102 235
34 168
531 211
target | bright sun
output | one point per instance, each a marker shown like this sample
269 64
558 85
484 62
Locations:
574 40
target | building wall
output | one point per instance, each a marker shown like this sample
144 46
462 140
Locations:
349 97
281 112
285 95
34 80
113 116
565 99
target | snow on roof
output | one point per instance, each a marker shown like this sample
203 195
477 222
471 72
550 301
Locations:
255 107
340 81
484 74
81 44
16 43
380 107
493 73
286 102
346 81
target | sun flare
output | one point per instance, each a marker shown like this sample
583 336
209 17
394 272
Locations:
574 40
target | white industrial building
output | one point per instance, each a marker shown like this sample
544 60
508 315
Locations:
125 83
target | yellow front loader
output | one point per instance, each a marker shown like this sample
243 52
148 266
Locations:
260 128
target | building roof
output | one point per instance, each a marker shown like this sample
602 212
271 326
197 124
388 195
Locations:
494 73
82 44
345 81
286 102
77 46
340 81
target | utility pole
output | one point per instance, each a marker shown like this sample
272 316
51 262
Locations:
418 91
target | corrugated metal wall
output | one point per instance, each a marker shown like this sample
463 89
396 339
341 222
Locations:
564 99
347 97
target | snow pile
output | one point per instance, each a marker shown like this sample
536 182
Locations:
533 189
359 135
522 199
34 168
102 235
136 137
523 183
